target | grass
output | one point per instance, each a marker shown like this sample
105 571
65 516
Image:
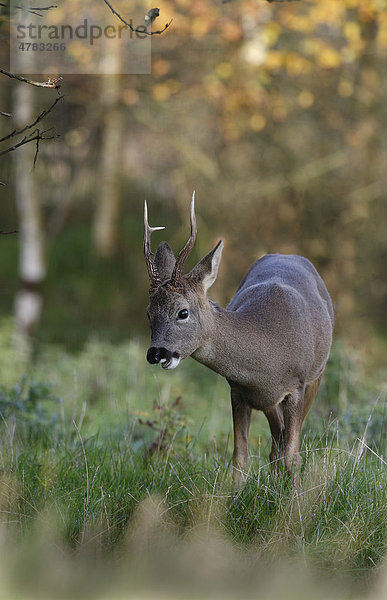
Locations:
115 482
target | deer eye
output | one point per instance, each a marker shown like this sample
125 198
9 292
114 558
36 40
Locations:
182 314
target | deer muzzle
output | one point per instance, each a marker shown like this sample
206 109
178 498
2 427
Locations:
167 359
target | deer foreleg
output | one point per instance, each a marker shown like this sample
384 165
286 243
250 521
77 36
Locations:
276 421
241 414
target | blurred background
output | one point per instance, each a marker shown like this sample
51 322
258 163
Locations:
115 472
274 113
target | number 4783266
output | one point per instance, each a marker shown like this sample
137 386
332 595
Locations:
42 46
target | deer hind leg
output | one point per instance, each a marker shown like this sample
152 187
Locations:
241 414
276 421
293 411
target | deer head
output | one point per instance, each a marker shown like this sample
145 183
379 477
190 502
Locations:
179 311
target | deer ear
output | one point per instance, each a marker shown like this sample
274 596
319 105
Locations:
164 261
206 270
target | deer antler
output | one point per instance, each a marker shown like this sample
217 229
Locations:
154 279
184 253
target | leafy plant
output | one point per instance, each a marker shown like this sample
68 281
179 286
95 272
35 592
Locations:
31 406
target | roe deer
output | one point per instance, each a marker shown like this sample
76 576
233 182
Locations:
271 343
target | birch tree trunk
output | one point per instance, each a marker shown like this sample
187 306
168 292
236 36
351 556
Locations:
108 200
32 268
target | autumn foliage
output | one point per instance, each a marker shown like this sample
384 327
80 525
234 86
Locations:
274 113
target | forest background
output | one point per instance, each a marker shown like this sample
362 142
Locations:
115 474
274 113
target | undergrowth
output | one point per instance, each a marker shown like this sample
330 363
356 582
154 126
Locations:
102 459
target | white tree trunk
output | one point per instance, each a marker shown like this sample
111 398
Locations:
32 268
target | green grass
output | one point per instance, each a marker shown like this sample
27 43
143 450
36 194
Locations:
116 478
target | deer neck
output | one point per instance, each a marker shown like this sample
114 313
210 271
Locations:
225 348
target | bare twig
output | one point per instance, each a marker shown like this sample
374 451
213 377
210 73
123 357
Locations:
42 8
5 114
37 148
144 31
9 232
43 114
33 136
32 9
54 83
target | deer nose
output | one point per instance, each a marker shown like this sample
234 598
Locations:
154 354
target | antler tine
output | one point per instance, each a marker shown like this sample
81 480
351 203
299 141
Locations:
185 252
149 259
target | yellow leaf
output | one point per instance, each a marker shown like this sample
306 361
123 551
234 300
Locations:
296 64
161 92
160 67
345 88
274 60
271 33
173 85
257 122
300 23
200 26
328 58
224 70
305 99
352 30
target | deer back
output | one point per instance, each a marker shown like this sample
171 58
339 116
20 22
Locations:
287 307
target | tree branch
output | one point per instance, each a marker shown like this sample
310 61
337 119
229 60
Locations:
131 26
53 83
43 114
31 9
33 136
